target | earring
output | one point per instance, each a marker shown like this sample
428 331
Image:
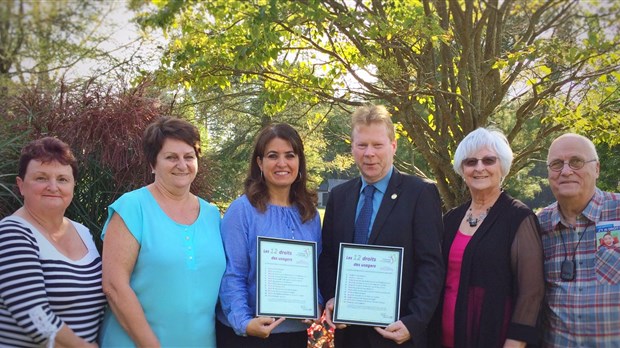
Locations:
261 175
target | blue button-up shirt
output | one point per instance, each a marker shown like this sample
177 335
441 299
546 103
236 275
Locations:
380 188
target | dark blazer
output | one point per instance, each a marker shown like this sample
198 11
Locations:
409 217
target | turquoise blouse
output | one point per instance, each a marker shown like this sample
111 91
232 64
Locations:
177 273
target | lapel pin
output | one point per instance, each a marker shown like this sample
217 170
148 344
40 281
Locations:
394 195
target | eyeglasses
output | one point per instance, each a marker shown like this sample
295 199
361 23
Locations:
486 160
575 163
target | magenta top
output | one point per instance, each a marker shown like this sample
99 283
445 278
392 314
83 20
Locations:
453 277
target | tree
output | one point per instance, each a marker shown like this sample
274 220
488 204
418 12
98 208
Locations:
44 42
232 121
609 178
443 68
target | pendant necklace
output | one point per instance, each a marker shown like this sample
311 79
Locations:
473 221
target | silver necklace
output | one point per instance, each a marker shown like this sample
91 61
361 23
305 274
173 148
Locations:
473 221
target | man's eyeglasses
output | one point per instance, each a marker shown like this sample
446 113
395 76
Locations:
574 163
486 160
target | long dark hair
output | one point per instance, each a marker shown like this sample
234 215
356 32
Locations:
255 186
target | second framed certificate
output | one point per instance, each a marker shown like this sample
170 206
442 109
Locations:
286 284
368 284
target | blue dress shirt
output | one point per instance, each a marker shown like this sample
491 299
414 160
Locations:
380 188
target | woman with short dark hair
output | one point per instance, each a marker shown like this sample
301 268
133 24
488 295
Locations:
163 257
50 269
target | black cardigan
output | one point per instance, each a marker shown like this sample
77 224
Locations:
502 283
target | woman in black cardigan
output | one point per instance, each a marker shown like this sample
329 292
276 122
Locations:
494 281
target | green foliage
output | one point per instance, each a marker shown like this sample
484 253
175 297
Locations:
443 68
10 145
41 41
232 121
336 154
609 157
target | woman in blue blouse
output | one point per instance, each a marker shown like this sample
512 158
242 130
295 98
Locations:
277 204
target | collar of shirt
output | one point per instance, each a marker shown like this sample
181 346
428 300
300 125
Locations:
380 185
591 212
380 189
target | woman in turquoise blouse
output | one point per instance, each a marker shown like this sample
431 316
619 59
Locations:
163 257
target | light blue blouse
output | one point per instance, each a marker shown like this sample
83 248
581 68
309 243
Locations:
177 273
241 224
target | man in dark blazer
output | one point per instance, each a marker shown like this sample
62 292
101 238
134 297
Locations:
406 213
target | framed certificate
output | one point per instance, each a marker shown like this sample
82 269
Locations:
368 284
286 284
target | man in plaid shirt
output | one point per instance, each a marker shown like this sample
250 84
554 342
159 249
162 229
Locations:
582 306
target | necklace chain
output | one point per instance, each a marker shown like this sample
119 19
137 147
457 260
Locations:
473 221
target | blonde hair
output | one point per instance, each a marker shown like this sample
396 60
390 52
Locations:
369 114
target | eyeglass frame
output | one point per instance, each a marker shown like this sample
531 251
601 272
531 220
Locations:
493 158
564 163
